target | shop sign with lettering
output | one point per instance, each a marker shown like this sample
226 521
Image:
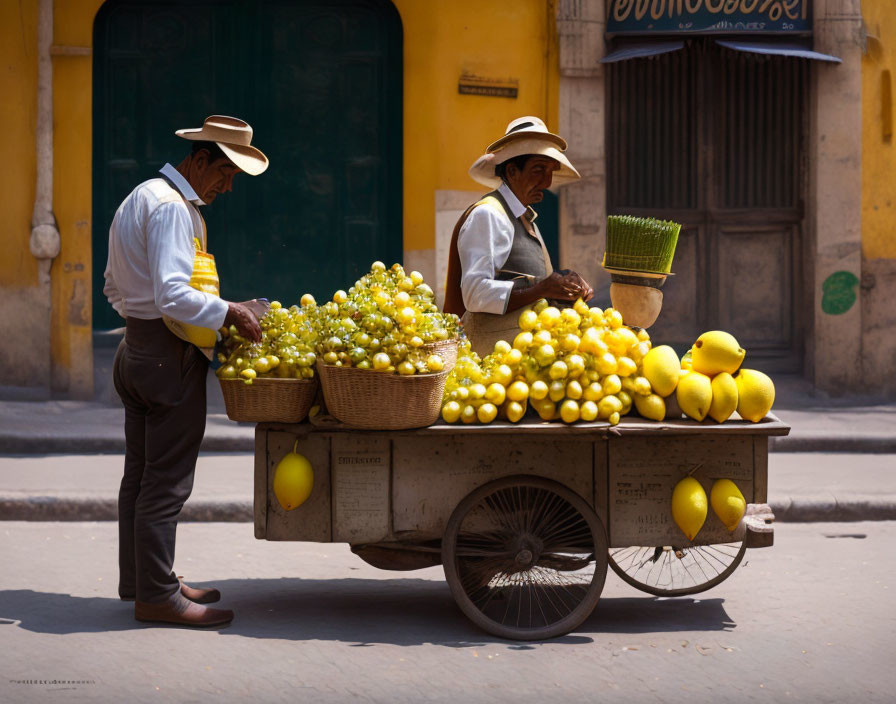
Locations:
709 16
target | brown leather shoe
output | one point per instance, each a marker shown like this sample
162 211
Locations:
194 594
180 611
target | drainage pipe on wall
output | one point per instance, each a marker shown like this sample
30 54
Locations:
44 242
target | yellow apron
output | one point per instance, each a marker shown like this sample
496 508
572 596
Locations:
204 278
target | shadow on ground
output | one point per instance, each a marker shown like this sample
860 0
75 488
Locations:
357 611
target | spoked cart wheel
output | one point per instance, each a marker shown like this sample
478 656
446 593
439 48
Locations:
674 571
525 558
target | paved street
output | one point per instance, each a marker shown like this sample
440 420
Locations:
811 620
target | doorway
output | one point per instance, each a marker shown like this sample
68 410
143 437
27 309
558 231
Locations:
714 139
320 81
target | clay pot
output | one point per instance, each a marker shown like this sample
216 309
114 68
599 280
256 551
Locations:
640 305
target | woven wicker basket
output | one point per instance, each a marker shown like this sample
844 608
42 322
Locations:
446 349
381 401
268 400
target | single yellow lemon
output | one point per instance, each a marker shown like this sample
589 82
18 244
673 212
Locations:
569 411
607 406
661 368
514 411
724 397
689 506
755 394
652 407
694 395
546 409
728 503
293 480
588 411
528 320
518 391
487 412
495 393
538 390
716 351
451 412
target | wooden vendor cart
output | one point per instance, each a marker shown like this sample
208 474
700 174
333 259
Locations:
524 518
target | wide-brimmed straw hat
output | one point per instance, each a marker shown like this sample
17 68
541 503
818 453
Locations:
233 136
525 135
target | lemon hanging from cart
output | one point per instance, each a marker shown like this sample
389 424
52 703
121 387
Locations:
293 480
689 505
728 502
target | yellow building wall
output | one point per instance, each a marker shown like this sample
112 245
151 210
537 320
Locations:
18 86
445 131
878 151
71 323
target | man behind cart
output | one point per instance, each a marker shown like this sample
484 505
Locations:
156 239
498 264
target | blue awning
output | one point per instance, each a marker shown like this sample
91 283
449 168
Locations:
778 49
641 50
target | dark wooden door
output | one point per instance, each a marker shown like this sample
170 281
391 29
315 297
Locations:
320 81
713 139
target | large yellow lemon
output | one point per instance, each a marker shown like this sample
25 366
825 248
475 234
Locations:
728 502
724 397
694 395
755 394
716 351
293 480
661 367
689 506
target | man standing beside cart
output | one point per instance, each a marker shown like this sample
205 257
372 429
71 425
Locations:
498 263
157 244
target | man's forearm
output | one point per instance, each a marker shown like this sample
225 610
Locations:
520 297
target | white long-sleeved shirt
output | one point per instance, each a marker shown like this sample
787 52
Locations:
483 245
151 255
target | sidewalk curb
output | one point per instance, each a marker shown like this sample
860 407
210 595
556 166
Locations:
86 445
869 445
51 508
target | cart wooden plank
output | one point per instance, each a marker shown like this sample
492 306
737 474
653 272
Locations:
312 520
431 476
643 472
361 466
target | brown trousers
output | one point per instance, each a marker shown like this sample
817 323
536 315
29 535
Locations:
161 381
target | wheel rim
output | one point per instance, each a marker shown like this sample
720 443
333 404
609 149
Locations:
520 558
673 571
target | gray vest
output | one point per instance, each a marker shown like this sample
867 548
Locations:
525 256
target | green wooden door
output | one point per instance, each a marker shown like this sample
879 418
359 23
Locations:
320 81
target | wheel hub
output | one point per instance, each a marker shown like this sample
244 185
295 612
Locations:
527 550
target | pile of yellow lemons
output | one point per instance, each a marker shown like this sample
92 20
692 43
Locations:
707 381
578 363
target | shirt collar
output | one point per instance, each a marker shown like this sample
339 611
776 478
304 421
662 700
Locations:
512 201
181 184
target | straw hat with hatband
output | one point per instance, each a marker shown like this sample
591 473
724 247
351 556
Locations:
233 136
524 136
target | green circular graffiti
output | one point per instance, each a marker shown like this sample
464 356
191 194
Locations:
839 294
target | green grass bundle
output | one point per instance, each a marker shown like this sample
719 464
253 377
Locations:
640 244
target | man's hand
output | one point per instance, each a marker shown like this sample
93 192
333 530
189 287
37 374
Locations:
244 316
565 287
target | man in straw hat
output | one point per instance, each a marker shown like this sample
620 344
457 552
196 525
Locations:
497 262
160 377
